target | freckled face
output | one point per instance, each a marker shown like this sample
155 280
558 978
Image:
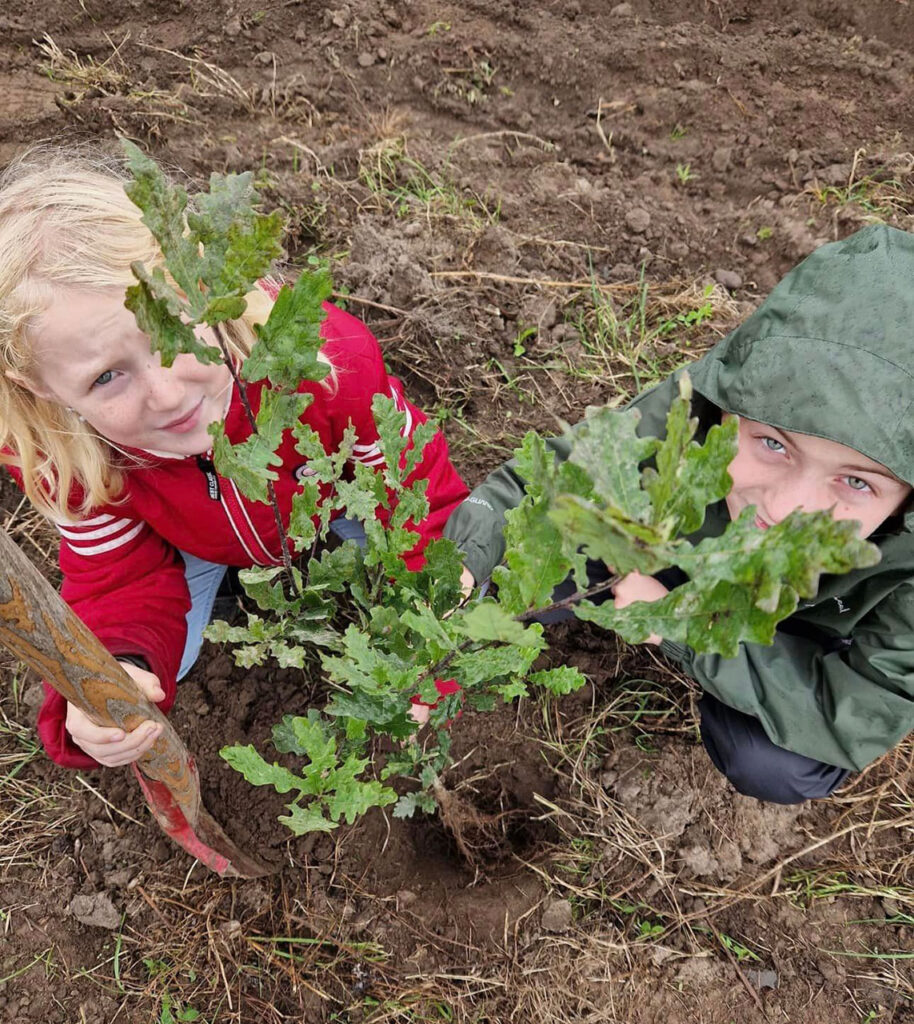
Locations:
91 356
779 471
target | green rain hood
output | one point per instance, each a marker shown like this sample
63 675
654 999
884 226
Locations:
831 350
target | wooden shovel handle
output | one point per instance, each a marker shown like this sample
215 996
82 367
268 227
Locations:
42 631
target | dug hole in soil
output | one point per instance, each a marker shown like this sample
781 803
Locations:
713 145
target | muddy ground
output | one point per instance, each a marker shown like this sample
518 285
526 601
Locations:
495 184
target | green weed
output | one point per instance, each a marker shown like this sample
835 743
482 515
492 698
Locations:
684 173
740 951
174 1013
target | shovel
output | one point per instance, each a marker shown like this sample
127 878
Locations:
39 628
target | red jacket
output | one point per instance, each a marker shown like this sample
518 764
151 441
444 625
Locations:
122 573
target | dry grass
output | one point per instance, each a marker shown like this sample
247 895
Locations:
115 84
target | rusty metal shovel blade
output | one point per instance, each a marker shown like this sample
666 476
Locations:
39 628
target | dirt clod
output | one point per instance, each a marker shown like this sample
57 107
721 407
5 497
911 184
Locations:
95 910
558 916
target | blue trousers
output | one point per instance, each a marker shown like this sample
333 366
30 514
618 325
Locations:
204 579
736 742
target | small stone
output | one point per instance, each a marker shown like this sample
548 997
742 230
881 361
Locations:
678 250
412 229
621 11
891 906
96 911
729 279
161 851
558 916
340 18
231 929
265 57
233 27
638 220
362 921
762 979
365 59
406 898
721 158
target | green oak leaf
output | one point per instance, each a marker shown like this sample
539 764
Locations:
253 767
794 552
624 544
288 344
248 463
306 507
710 621
422 620
686 476
251 462
391 426
475 667
512 690
353 796
535 463
239 244
158 315
308 736
164 206
487 621
409 803
302 820
606 444
536 559
561 680
422 436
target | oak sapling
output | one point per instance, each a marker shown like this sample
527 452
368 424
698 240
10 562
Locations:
383 633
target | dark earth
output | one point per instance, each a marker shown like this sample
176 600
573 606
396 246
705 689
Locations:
495 185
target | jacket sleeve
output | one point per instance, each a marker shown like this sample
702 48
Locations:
128 585
844 708
361 374
477 526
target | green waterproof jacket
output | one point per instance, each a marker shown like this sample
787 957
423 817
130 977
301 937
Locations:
829 353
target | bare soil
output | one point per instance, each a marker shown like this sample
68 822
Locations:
488 180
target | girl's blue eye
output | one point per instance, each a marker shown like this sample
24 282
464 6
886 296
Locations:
772 445
856 484
103 378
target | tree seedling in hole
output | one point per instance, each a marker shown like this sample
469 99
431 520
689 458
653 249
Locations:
383 633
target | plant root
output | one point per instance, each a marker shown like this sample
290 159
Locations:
479 835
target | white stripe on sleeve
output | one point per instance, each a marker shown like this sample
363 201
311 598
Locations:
76 533
108 545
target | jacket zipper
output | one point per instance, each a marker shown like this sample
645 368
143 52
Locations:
235 513
209 471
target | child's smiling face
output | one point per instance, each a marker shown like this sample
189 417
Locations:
90 356
779 471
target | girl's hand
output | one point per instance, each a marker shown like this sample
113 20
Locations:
635 587
114 747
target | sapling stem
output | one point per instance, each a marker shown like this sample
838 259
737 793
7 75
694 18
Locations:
252 422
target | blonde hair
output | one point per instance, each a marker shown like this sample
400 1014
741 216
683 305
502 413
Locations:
65 220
